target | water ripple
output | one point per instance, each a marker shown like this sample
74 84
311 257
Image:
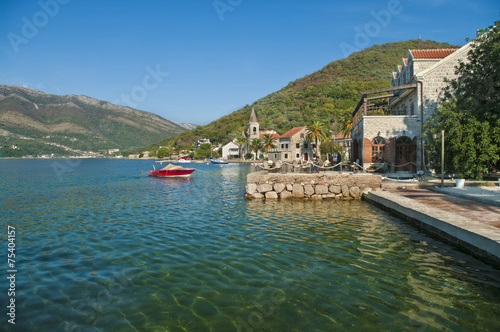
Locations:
128 252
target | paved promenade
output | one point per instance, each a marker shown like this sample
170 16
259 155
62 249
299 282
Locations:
469 217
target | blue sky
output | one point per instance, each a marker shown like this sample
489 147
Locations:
195 61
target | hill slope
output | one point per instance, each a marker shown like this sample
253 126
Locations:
39 123
323 95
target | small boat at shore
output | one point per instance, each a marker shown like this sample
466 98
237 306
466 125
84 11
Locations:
172 171
184 160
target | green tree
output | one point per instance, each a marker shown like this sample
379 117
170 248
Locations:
318 132
256 146
345 123
163 152
268 142
241 140
470 113
203 151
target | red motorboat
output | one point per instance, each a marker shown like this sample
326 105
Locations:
172 171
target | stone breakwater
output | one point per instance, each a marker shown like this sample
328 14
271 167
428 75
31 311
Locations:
264 185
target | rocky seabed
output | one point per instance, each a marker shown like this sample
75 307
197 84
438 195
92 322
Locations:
318 187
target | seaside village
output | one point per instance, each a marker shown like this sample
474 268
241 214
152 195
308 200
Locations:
387 124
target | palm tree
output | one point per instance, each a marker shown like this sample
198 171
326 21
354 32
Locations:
240 141
257 144
268 142
318 132
345 123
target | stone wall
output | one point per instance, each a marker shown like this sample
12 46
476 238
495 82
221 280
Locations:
327 185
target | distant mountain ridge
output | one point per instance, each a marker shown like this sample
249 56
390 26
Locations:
34 121
323 95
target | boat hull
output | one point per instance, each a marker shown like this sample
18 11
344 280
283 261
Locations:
219 162
175 173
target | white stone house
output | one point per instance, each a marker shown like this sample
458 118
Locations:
293 146
230 150
391 131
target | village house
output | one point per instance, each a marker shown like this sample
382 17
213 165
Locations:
230 150
391 132
293 146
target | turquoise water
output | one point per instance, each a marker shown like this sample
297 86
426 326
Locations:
102 247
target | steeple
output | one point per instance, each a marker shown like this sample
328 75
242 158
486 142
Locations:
253 117
253 126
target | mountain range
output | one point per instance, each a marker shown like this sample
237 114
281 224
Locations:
35 123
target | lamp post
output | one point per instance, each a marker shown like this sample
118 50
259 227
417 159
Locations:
442 158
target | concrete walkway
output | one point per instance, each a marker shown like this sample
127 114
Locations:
472 220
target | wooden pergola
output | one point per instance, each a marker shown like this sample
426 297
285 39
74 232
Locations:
363 102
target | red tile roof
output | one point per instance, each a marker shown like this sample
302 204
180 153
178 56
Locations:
439 53
341 136
274 136
291 132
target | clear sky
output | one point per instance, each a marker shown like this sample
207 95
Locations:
195 61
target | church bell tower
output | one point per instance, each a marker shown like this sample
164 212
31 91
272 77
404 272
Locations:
253 126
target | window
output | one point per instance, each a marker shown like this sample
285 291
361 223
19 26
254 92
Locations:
297 145
305 145
286 146
378 150
286 155
297 156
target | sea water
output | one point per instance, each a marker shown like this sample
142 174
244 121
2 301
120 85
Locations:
100 246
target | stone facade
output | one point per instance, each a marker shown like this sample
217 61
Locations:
292 146
262 185
402 131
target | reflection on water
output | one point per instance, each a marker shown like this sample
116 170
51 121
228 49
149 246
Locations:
119 251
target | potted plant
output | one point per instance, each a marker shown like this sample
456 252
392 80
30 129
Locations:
460 181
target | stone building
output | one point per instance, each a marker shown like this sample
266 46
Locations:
253 126
388 123
293 146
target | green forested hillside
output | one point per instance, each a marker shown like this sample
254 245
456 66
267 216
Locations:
323 95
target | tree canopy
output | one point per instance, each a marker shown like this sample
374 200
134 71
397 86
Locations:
470 112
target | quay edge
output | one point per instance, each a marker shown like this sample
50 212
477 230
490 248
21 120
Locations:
480 239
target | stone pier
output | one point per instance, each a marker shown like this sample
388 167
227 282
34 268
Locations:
324 185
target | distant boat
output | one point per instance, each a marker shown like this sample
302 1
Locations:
172 171
219 162
184 160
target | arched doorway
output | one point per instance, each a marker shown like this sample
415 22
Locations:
405 154
306 156
378 150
